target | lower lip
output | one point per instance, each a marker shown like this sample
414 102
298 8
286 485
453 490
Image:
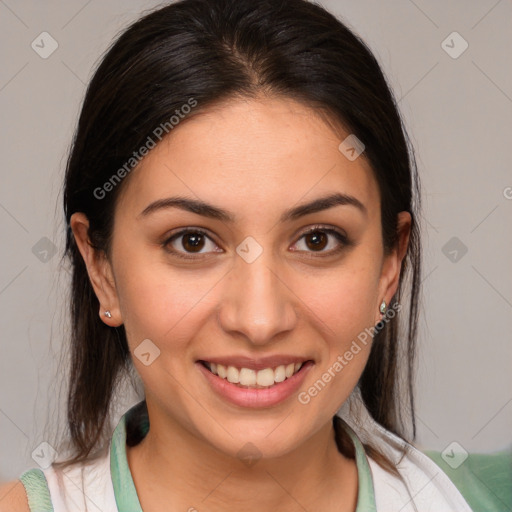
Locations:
256 397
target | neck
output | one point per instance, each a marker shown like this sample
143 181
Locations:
187 473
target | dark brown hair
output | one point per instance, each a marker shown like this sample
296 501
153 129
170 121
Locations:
216 50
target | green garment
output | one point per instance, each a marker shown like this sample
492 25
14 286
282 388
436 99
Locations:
484 480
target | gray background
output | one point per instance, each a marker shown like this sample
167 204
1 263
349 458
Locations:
458 112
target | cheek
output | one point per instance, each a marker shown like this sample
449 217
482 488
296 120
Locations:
160 303
343 304
344 300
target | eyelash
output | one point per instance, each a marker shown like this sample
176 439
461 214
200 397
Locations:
344 241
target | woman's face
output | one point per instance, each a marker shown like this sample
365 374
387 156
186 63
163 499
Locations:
252 289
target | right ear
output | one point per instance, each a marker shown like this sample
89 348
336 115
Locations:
99 270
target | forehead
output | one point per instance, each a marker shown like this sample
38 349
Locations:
247 152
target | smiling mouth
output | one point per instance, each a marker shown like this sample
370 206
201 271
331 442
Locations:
254 379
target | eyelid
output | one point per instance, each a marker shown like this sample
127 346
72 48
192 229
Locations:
322 227
341 237
182 232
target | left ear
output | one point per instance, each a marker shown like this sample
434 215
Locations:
392 265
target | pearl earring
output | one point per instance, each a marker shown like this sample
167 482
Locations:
383 307
108 314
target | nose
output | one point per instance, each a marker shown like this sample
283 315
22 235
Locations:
257 303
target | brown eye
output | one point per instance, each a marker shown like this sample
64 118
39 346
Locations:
316 241
190 241
322 240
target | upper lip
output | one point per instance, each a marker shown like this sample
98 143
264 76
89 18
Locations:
254 363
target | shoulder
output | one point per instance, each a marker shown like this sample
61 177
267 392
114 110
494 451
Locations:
484 479
465 481
420 482
439 481
77 487
13 497
30 492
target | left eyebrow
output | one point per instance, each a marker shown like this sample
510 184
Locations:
214 212
323 203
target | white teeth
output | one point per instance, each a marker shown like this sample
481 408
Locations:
265 377
233 375
248 377
280 374
221 371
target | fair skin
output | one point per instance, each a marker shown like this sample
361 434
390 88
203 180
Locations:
255 159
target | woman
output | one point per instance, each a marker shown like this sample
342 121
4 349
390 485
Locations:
242 213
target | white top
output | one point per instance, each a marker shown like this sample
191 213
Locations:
427 488
66 489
